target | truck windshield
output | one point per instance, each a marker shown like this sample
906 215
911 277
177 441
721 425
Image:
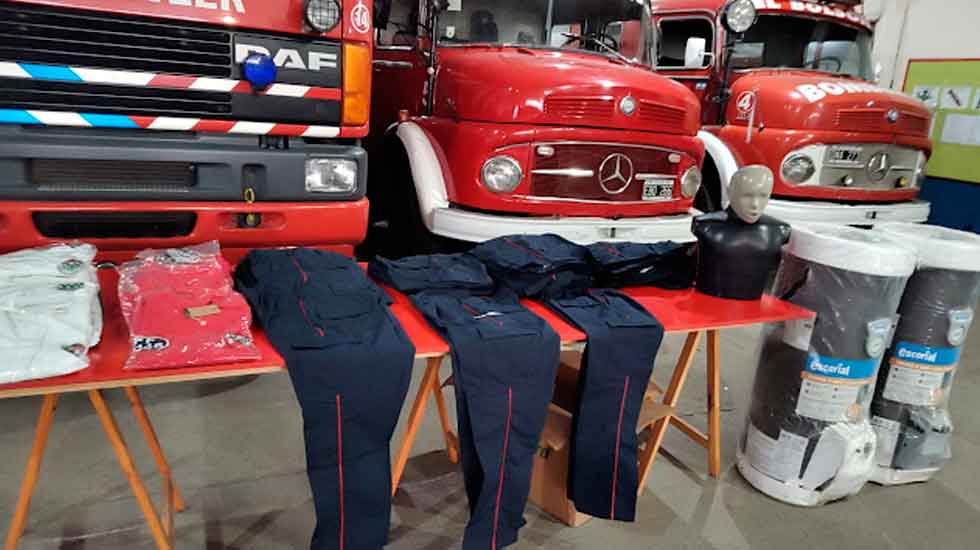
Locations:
615 28
779 41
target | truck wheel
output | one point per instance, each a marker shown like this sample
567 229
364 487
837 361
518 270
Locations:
708 198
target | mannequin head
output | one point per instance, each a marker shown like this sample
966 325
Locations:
750 191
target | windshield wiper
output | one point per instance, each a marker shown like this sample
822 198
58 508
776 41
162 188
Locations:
598 42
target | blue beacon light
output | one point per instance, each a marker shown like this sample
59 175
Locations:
259 70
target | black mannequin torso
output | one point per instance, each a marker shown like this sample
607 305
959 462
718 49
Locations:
735 258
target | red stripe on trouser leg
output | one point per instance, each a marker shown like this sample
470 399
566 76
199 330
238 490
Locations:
340 469
619 431
503 463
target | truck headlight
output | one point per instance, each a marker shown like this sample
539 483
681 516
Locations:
322 15
331 176
501 174
691 182
798 168
739 16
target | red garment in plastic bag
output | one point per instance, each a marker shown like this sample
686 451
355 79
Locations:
182 310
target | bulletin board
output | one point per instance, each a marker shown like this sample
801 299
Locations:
951 88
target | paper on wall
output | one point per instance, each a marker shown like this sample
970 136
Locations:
956 97
960 129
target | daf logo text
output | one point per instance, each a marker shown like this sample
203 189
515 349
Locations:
287 58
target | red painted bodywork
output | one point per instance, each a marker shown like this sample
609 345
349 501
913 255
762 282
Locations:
334 225
285 16
787 118
492 98
283 224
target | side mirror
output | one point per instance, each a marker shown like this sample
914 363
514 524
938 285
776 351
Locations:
694 53
382 13
439 6
878 70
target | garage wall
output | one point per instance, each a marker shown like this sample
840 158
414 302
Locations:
933 28
939 29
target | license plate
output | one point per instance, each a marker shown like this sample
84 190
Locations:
844 155
658 190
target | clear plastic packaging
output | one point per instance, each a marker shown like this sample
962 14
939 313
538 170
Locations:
910 411
182 310
809 438
50 312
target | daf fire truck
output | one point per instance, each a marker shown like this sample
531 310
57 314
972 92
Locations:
788 84
169 122
527 116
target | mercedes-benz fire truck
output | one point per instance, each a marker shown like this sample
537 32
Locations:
528 116
788 84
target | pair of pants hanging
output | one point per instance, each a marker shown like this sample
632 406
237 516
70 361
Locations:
350 363
504 363
623 341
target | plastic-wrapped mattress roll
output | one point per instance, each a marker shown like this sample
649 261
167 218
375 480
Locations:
809 440
910 409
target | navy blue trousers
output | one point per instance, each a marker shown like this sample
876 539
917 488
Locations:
350 363
666 265
504 363
623 340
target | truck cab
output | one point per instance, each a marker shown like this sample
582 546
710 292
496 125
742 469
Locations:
793 89
528 116
159 123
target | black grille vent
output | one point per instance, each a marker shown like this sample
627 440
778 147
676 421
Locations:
112 225
42 35
111 175
98 98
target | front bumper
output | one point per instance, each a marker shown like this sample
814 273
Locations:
476 227
845 214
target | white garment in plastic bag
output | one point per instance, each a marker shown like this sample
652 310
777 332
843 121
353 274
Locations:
50 313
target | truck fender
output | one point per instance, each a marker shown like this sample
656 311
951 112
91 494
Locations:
427 170
724 160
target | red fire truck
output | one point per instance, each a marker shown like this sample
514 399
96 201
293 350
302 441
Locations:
527 116
788 84
177 121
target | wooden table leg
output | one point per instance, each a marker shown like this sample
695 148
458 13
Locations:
151 439
714 406
670 398
33 468
452 446
126 463
430 382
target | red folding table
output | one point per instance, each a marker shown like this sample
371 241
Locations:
686 311
106 373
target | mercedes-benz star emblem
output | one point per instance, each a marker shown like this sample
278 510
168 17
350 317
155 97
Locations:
879 165
617 167
893 115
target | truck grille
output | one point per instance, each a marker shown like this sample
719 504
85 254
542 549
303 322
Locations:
111 175
875 120
595 109
546 182
115 225
661 117
98 98
42 35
